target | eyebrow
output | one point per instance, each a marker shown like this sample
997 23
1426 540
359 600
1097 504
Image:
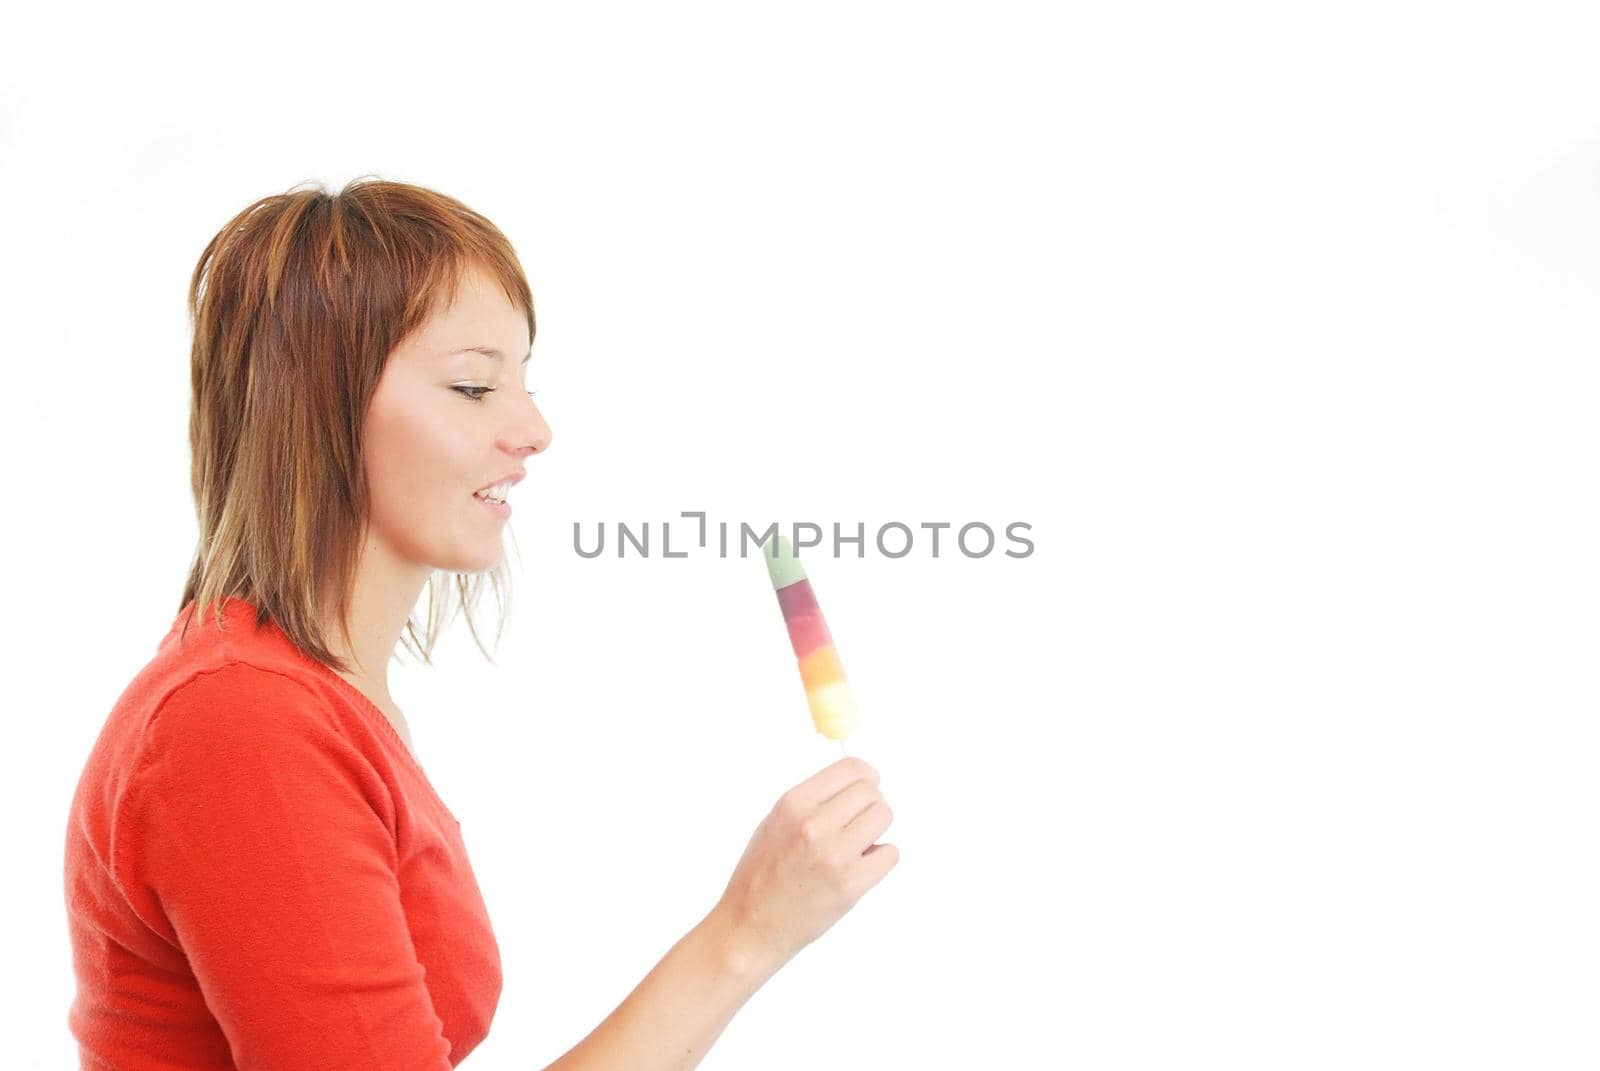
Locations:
490 351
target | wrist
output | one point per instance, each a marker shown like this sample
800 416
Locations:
733 949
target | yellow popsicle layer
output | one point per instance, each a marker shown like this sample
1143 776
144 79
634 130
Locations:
833 710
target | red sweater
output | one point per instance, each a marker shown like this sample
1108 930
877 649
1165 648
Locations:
259 875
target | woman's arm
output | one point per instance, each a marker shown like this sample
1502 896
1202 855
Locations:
807 864
672 1018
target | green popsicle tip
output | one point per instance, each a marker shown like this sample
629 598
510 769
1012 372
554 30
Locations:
782 565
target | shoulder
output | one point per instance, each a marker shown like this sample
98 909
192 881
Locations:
240 692
219 712
251 742
243 767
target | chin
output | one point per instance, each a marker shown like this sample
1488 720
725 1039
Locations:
464 565
467 563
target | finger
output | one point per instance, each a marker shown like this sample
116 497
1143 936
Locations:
868 826
832 780
836 814
877 861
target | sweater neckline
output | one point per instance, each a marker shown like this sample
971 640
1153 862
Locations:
374 713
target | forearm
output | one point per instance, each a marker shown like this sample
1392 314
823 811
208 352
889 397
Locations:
672 1018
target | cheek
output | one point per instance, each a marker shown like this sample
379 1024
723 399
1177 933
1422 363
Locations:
413 460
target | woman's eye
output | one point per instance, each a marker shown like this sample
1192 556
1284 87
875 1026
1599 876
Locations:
477 393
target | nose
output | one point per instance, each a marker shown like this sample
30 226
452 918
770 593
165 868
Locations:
533 433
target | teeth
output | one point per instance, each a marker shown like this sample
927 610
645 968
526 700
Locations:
497 493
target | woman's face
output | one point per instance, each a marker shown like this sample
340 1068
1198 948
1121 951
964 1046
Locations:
429 446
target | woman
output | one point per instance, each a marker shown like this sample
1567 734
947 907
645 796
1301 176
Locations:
258 873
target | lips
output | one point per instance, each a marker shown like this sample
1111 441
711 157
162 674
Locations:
509 479
499 509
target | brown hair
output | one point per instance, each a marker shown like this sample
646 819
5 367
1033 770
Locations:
295 306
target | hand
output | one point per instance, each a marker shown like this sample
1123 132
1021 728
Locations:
809 862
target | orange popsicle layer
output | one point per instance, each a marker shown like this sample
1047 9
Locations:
821 667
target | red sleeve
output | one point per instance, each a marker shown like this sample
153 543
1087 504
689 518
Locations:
268 840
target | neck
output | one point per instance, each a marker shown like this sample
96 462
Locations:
384 593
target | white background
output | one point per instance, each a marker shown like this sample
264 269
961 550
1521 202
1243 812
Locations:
1276 322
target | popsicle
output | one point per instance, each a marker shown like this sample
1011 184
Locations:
833 710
